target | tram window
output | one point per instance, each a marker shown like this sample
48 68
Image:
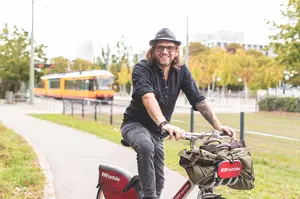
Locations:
105 83
69 85
54 83
79 85
82 85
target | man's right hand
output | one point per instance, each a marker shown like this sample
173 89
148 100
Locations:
173 130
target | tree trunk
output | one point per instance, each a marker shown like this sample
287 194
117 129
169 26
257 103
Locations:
207 90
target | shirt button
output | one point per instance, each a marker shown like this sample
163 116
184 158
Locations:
166 96
166 87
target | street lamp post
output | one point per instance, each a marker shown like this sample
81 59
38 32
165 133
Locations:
286 78
187 53
240 81
213 85
219 87
31 73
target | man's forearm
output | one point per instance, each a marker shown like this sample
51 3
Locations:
207 113
153 108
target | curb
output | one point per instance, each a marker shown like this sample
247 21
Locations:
49 190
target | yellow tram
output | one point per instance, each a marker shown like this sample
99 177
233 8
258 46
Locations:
93 84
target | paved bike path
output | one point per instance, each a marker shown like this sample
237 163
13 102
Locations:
73 156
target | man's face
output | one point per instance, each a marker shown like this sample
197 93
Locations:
165 52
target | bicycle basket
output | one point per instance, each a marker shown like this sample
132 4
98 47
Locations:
202 165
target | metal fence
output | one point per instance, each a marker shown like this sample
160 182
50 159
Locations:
103 111
110 112
98 110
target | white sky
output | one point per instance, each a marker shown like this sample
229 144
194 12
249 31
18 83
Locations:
63 25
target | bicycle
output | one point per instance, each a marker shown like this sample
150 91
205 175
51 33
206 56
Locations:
117 183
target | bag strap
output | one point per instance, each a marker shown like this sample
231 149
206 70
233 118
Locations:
211 140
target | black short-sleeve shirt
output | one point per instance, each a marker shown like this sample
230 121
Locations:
149 78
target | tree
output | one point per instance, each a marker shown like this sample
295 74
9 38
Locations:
103 60
196 48
286 41
245 67
196 64
124 76
268 73
15 58
215 58
60 63
226 70
81 64
254 53
233 47
121 56
204 64
225 67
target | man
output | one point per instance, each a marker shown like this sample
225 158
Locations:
157 82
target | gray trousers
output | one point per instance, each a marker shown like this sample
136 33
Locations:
150 157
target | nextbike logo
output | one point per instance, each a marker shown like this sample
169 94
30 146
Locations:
106 175
230 169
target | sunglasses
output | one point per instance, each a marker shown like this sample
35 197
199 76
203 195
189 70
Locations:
170 49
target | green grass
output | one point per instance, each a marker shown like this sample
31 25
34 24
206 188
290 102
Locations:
276 161
266 123
20 174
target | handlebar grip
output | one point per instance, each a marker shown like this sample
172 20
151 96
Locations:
166 134
223 134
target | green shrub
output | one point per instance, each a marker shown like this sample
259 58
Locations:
297 109
287 104
263 105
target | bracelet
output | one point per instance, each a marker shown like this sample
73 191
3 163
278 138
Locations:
162 124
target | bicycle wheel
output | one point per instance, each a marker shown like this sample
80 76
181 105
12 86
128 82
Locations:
100 194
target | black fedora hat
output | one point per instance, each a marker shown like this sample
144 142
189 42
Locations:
164 35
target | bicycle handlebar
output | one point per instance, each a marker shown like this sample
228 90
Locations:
211 134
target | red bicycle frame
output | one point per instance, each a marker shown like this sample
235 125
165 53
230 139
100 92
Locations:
114 181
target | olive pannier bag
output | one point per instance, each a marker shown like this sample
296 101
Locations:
201 164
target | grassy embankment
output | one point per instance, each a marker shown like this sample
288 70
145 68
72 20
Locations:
20 173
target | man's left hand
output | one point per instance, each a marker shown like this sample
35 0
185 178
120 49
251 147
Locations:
229 131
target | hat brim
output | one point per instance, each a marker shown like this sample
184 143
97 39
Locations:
154 41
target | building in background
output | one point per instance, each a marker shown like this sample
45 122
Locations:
224 38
